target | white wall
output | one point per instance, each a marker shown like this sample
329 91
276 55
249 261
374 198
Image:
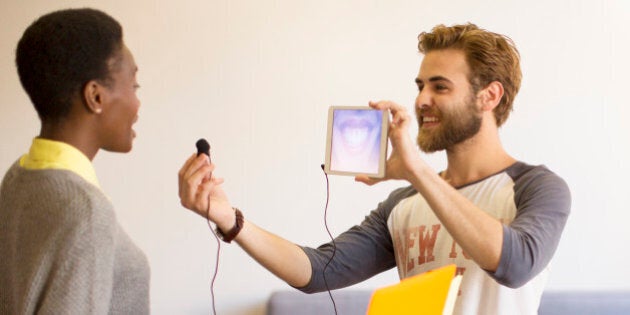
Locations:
256 77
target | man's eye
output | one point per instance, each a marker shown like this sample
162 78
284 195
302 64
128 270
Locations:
440 87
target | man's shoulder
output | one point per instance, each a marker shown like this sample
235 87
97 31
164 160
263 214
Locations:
402 193
520 171
536 180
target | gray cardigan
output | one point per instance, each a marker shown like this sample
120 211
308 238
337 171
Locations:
62 250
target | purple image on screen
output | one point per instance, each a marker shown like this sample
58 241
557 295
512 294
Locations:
356 136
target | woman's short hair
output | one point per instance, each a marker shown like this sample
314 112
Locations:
61 52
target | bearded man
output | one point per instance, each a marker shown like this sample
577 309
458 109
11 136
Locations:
497 218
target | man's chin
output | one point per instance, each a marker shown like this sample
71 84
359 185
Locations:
426 141
427 147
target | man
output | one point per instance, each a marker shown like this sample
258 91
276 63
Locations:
62 250
498 219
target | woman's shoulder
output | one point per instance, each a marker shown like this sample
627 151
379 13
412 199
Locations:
64 195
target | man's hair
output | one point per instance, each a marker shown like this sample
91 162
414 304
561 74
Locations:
61 52
490 57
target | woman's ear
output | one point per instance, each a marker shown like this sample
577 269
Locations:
491 95
93 97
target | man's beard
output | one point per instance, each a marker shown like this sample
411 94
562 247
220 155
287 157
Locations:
455 127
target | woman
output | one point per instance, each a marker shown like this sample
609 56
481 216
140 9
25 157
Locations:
62 249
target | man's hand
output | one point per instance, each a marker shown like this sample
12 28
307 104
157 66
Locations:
405 154
201 192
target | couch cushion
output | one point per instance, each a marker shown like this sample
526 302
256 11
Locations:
355 302
348 302
584 302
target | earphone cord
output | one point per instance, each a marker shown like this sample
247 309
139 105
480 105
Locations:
216 266
333 242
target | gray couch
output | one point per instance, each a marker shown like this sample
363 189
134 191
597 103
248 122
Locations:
354 302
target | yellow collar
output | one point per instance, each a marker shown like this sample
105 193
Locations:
49 154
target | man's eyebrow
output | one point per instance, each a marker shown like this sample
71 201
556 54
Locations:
433 79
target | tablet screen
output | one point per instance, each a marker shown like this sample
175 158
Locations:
356 141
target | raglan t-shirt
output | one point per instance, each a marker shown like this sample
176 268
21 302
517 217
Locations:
533 204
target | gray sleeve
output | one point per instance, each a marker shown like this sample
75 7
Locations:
543 203
359 253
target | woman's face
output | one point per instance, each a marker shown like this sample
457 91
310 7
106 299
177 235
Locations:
120 105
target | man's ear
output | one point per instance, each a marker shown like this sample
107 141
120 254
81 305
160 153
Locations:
491 95
93 97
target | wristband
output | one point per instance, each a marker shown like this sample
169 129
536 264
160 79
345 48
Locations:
231 234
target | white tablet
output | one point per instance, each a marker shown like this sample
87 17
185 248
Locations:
356 141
